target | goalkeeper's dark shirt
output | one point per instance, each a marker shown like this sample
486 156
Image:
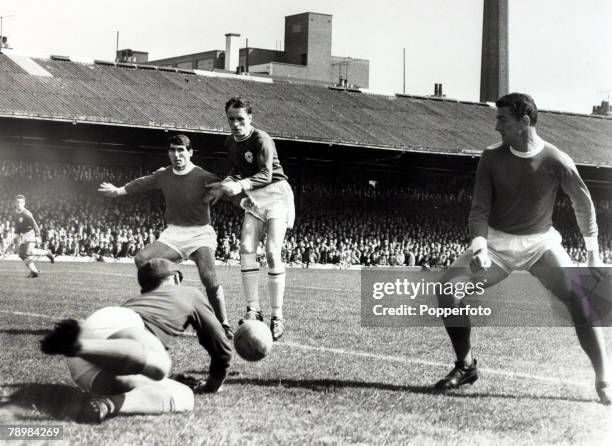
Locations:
170 309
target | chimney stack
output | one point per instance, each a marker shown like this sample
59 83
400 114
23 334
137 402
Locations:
494 62
232 52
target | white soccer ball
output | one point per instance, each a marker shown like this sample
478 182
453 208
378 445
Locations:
253 340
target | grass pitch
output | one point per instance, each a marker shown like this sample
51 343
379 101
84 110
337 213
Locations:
329 381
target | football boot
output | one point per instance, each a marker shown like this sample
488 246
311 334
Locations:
251 315
63 340
277 327
604 391
459 376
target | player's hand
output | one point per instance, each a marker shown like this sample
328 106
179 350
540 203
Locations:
247 203
212 385
213 195
108 190
229 188
480 260
38 240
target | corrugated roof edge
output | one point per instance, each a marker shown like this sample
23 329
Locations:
168 127
350 90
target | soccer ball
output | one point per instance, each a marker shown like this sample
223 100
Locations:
253 340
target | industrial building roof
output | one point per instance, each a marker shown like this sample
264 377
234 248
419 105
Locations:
147 96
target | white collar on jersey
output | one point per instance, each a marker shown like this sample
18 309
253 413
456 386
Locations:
246 137
539 145
188 169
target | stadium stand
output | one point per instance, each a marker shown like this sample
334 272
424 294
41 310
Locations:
147 97
341 221
421 222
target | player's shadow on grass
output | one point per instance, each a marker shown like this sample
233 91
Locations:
57 401
327 385
508 396
204 373
33 331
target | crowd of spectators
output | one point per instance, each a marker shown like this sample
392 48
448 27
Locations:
420 222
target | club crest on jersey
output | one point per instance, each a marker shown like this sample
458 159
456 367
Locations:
248 156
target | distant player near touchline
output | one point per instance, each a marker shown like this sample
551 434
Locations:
257 173
119 354
189 234
510 224
27 237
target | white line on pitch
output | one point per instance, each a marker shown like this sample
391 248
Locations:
21 313
101 273
341 351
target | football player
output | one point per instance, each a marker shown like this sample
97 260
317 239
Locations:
120 353
189 234
27 236
267 199
510 224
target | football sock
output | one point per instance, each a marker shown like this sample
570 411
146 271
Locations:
276 284
250 277
593 343
460 338
29 262
123 357
216 296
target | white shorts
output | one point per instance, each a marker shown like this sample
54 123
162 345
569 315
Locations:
187 239
25 243
26 237
100 325
520 252
273 201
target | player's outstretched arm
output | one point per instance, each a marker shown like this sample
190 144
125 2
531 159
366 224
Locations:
36 231
109 190
229 187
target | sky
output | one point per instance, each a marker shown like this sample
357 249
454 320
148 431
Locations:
559 52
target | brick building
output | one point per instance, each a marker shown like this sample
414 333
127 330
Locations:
306 56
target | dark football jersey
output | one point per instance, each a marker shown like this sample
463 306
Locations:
24 222
248 159
516 194
169 310
184 194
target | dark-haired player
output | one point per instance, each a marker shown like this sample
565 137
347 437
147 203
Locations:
189 234
27 237
510 224
120 353
268 203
